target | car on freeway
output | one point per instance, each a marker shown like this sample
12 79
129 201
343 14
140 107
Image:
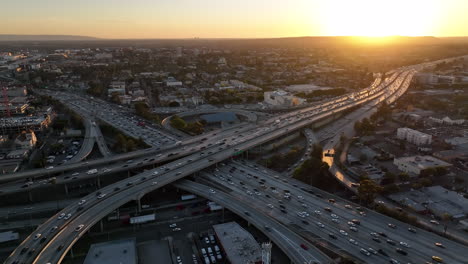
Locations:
391 242
332 236
37 236
438 259
391 225
102 195
404 244
304 247
434 222
172 225
82 202
176 229
381 251
62 215
353 228
371 250
344 233
401 251
352 241
412 230
364 251
67 216
78 228
53 229
437 244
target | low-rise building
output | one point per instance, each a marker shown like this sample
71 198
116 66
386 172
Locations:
416 164
240 246
26 140
413 136
112 252
447 121
450 155
282 98
435 200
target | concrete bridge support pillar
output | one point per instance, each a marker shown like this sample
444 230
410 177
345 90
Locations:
98 182
138 200
66 189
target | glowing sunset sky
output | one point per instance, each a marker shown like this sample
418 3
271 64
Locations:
234 19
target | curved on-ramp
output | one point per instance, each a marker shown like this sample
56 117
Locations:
288 241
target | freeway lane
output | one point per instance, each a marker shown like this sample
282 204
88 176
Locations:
156 158
286 240
189 143
177 169
88 143
340 104
354 98
253 191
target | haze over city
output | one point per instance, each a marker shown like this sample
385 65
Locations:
235 19
234 132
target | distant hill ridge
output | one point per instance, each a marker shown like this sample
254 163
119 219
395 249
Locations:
7 37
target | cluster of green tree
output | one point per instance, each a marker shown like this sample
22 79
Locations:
383 112
232 97
281 162
314 171
397 214
193 128
44 77
368 190
143 110
122 143
96 89
433 172
328 92
364 127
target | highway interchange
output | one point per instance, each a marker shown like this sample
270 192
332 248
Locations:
267 191
57 242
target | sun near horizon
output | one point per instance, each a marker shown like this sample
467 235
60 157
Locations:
372 19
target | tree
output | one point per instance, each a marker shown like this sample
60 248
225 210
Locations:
178 122
174 104
130 146
120 143
390 188
388 178
426 182
403 176
317 152
368 190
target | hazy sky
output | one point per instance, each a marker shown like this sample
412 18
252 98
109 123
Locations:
234 18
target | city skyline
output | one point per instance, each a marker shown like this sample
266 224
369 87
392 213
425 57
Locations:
241 19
